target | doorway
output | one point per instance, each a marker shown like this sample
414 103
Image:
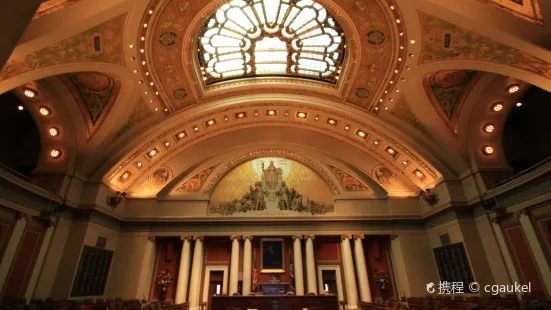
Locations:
216 283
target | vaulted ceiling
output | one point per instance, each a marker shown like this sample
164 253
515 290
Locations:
122 82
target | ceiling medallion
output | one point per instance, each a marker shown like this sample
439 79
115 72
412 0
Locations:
180 93
362 92
168 38
375 37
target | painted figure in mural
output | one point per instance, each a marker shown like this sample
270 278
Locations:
284 201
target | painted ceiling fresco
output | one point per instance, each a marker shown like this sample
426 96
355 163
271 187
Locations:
238 181
447 91
51 6
528 10
167 42
445 41
402 110
102 43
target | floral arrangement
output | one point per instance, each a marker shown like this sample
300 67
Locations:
164 279
381 278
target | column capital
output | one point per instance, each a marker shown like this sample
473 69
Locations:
359 236
198 238
299 237
522 212
24 216
151 238
183 238
247 237
312 237
346 237
393 237
235 238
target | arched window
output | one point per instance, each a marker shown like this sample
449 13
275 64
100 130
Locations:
246 38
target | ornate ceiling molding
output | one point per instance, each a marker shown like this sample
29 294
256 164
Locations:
375 142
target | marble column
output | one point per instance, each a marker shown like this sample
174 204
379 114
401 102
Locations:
349 275
11 248
297 265
365 291
39 261
535 246
196 271
183 272
146 272
247 264
399 265
311 265
234 264
506 254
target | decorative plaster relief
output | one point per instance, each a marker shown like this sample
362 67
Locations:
445 41
349 182
528 10
102 43
193 184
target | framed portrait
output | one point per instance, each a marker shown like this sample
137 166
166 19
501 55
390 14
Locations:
272 255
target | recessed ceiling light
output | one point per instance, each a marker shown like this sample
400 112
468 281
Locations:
419 174
135 70
376 142
271 112
131 45
240 115
151 83
125 176
139 164
391 151
497 107
488 150
361 134
30 93
396 71
317 117
392 7
401 47
153 152
302 115
346 127
167 144
195 128
513 88
210 122
140 82
398 21
225 118
145 25
150 11
489 128
519 104
55 153
143 62
143 38
412 41
44 111
181 135
20 108
405 162
331 121
401 34
53 131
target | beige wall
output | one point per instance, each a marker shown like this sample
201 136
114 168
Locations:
127 267
81 233
419 261
492 250
52 260
478 249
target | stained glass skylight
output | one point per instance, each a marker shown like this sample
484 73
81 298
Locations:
246 38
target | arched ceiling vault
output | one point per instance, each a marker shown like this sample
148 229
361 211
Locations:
162 92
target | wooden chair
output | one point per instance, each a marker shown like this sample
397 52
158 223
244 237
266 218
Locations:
203 305
342 305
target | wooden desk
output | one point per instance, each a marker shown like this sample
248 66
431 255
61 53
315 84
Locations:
274 302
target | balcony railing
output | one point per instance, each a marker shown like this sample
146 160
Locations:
25 182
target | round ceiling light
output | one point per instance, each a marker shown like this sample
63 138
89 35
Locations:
29 93
488 150
20 108
519 104
497 107
44 111
55 153
489 128
513 88
53 131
